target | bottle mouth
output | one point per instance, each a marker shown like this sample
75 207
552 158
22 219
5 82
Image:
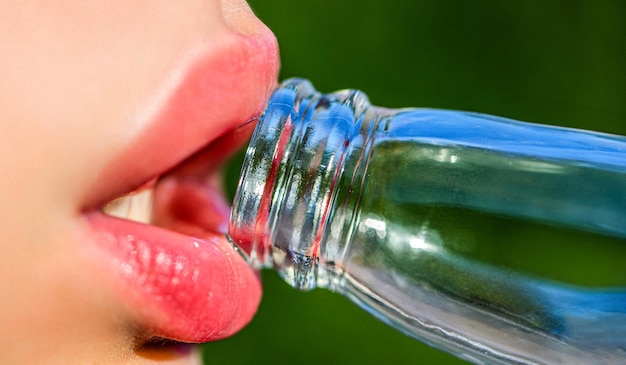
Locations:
250 221
286 188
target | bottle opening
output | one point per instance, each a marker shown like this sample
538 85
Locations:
287 188
250 225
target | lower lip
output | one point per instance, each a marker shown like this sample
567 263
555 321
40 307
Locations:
186 288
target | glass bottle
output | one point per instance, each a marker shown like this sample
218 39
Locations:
496 240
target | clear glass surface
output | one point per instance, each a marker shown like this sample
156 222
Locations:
398 210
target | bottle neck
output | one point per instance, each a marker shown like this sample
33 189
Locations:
301 182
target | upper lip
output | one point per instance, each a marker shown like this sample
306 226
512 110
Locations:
190 288
211 92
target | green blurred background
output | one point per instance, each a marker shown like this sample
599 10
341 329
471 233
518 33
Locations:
554 62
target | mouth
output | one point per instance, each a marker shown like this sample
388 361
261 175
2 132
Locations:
157 216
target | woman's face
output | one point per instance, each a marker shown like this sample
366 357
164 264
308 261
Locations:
96 100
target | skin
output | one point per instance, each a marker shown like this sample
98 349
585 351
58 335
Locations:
76 78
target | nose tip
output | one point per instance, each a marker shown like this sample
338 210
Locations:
239 17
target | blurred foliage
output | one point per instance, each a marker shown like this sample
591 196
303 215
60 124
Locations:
554 62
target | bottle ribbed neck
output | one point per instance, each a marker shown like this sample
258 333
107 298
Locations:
291 169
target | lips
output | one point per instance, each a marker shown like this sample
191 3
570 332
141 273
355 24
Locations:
179 277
